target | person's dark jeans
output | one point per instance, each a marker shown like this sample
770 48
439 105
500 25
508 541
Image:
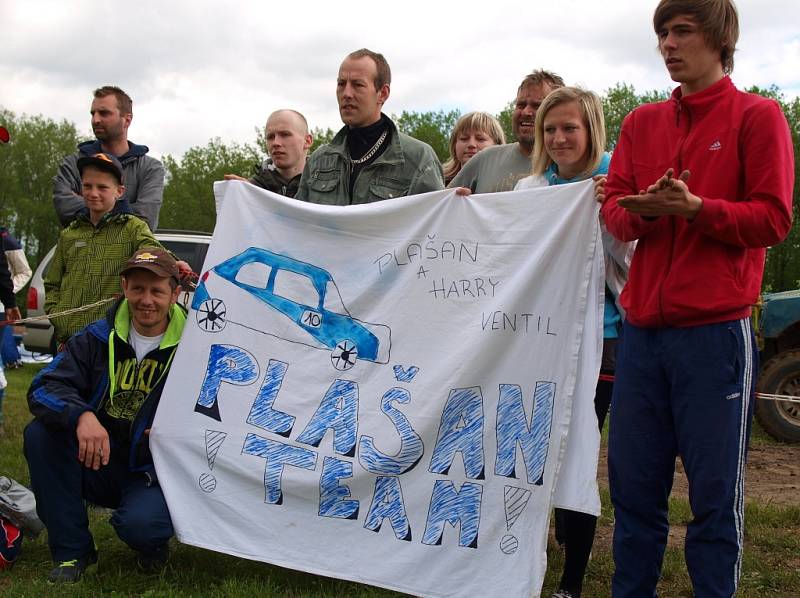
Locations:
61 484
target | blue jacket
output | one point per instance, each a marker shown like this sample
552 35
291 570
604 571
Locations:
79 379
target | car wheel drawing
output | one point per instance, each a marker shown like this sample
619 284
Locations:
344 355
211 315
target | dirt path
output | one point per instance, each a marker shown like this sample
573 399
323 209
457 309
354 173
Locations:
773 475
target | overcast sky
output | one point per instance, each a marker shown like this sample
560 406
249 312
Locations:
199 69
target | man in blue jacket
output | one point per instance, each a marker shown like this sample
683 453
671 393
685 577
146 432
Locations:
112 113
94 405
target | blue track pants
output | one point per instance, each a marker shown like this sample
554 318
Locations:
61 484
680 392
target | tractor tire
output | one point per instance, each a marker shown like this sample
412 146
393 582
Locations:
780 375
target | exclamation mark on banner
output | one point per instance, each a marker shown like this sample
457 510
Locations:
214 440
515 500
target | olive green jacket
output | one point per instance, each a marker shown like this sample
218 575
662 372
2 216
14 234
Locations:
407 167
86 265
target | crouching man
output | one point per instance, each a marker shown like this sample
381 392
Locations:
93 407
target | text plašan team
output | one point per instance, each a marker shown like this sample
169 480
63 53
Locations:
696 189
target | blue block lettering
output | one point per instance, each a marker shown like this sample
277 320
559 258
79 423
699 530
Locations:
338 411
387 502
512 428
226 363
452 506
332 496
277 455
411 447
461 430
262 413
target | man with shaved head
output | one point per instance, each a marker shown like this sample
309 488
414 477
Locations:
288 141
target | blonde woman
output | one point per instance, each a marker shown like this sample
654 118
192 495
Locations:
473 132
569 147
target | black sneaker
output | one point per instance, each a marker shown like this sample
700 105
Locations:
153 561
72 571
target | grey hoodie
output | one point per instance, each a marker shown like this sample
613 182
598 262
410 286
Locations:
144 183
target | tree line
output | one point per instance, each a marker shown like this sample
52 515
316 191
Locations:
38 144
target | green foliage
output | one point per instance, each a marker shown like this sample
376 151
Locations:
433 128
504 116
28 164
189 190
782 272
321 137
618 101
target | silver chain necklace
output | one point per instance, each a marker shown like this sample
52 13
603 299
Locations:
372 150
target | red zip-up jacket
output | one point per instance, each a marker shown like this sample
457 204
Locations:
738 149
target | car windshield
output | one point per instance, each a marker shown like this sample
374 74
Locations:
296 288
254 274
333 300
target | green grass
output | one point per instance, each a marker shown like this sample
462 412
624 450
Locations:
771 563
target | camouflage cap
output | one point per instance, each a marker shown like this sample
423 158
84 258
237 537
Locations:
154 259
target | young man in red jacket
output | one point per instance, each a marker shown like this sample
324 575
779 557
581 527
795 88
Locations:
704 182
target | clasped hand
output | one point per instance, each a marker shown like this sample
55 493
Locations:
668 196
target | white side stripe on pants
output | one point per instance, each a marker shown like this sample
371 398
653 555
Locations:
747 378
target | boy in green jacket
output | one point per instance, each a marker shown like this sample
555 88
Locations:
92 250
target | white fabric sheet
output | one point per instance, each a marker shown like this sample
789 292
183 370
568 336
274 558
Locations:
419 463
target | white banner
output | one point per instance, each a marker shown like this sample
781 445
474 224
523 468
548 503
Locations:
382 392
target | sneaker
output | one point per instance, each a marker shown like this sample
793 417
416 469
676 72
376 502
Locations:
72 571
562 594
153 561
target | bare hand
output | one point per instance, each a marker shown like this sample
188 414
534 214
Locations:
463 191
666 197
94 448
234 177
600 187
12 314
184 269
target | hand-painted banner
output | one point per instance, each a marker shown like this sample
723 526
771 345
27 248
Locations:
382 393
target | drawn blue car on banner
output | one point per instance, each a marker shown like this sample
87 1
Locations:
305 294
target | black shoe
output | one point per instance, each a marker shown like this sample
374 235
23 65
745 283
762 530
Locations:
72 571
153 561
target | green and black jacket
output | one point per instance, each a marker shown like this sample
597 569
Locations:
98 371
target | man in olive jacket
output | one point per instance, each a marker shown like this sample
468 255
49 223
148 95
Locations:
368 159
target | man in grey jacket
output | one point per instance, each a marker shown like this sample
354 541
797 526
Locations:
112 112
368 159
498 168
